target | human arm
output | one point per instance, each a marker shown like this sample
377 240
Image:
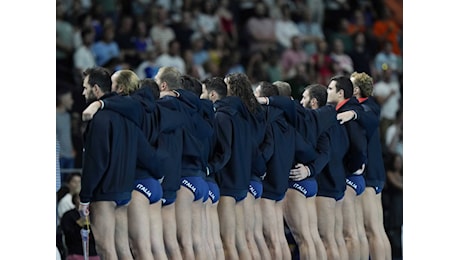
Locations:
323 151
149 157
95 156
356 156
124 105
223 146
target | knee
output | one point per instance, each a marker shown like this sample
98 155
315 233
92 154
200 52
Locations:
350 235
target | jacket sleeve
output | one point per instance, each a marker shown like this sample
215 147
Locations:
357 154
223 147
325 116
95 155
148 157
264 152
305 151
287 105
322 148
368 119
125 106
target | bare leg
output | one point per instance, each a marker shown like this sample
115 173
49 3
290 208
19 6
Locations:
184 222
313 220
339 230
121 233
258 231
371 225
241 244
270 233
220 255
383 233
227 224
296 215
156 231
197 230
138 220
103 228
326 225
168 215
285 249
350 231
363 242
207 223
249 213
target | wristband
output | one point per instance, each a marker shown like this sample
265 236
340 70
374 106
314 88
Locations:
102 104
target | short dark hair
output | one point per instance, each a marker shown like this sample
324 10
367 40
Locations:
217 84
344 83
100 76
319 92
150 83
267 89
192 84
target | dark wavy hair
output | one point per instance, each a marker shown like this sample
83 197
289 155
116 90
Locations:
240 86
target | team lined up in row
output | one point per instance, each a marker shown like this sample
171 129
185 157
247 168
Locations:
212 169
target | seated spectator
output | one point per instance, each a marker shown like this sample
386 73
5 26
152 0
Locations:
285 28
107 49
293 56
261 29
344 61
161 32
72 224
172 57
311 32
73 183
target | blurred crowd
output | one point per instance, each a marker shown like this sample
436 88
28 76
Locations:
296 41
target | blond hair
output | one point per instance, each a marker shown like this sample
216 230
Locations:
364 82
127 82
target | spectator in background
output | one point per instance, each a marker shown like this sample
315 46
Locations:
393 203
71 225
311 32
107 49
219 49
292 56
161 33
206 22
285 28
342 34
195 70
394 135
124 37
320 64
64 103
274 69
200 53
172 57
387 29
148 68
360 55
142 41
343 60
389 58
227 23
261 29
73 183
83 21
255 69
83 57
357 24
388 94
64 43
184 30
317 11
